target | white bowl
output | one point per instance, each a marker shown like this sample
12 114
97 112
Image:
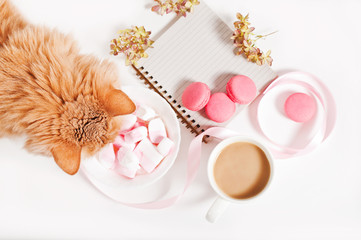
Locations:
107 178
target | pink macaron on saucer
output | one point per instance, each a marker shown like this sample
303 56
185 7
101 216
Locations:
300 107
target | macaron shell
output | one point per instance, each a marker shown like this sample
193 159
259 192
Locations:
196 96
300 107
241 89
220 107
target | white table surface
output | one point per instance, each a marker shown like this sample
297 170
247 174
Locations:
317 196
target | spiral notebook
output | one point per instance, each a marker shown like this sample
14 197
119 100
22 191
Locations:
197 48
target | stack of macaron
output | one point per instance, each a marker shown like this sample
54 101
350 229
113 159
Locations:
141 145
219 106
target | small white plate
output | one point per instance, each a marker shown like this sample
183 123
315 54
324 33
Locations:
106 179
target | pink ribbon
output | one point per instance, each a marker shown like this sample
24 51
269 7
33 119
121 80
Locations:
195 149
328 113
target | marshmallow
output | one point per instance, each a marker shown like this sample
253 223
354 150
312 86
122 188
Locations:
141 145
140 123
120 142
156 130
136 135
127 122
128 162
145 113
150 157
165 146
107 156
141 171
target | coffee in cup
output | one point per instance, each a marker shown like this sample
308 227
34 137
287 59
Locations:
239 170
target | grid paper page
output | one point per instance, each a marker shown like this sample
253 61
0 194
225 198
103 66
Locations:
198 48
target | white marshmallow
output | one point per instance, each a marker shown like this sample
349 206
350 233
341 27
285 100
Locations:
128 162
120 142
150 157
136 135
139 124
127 122
107 156
141 171
165 146
156 130
145 113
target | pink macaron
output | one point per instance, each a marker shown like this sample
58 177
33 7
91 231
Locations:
196 96
220 107
241 89
300 107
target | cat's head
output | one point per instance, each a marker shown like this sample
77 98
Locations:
86 115
87 125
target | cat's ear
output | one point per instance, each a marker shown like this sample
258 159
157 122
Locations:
117 103
67 157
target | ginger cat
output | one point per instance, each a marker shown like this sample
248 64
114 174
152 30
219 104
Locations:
64 102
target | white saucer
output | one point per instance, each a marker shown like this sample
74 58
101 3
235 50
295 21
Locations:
114 185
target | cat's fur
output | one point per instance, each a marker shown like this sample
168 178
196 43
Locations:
64 102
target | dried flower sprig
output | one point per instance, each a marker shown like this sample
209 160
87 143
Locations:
180 7
246 45
133 43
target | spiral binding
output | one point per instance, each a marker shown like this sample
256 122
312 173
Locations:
182 114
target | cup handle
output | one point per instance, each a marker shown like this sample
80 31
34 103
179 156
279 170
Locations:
217 209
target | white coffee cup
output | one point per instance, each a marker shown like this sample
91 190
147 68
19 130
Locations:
223 200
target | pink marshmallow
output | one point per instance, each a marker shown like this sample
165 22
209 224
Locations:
126 172
107 156
156 130
145 113
140 124
128 162
127 122
141 171
150 157
165 146
120 142
136 135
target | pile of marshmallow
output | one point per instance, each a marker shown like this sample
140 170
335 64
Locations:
141 145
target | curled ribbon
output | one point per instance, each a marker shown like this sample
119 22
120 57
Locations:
328 114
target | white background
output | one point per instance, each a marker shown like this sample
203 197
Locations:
317 196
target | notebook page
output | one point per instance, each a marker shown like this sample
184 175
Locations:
198 48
